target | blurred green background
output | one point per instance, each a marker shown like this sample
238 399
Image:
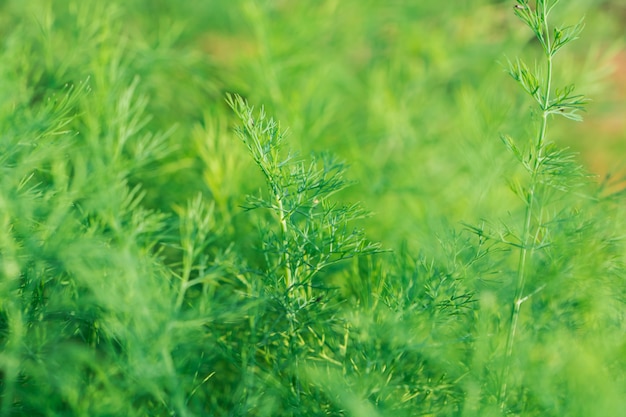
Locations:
413 94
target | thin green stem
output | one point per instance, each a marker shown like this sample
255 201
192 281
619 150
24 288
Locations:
188 255
527 247
184 280
285 231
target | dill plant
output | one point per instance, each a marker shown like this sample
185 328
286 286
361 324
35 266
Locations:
92 304
314 232
306 234
548 167
552 175
554 256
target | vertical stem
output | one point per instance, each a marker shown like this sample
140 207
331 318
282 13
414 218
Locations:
263 142
188 253
285 230
527 247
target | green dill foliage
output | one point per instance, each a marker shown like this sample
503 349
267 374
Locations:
312 231
556 202
304 234
548 167
154 261
90 312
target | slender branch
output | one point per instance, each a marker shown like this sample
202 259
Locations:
527 245
285 231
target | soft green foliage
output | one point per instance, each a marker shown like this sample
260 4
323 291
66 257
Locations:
314 233
548 167
168 250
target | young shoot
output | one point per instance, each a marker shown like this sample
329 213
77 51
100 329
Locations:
311 230
547 166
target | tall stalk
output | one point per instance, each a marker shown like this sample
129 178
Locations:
565 104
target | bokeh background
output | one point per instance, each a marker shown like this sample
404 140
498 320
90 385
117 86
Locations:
413 94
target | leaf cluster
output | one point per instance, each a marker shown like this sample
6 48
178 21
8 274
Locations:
311 231
535 17
565 102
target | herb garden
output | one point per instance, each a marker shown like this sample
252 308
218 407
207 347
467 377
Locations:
331 208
